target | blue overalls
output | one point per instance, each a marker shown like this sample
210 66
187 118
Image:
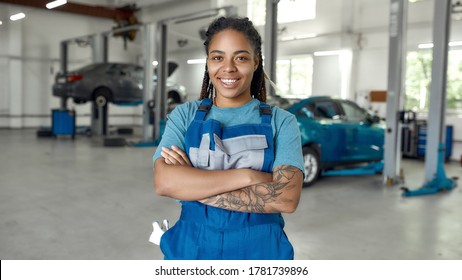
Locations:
207 232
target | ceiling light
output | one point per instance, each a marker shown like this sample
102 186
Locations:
328 53
430 45
55 4
425 46
196 61
155 63
1 22
455 44
17 16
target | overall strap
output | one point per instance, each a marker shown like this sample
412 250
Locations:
265 113
203 109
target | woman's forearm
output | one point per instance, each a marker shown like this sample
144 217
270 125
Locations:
281 195
188 183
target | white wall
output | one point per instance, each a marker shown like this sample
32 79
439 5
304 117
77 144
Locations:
326 77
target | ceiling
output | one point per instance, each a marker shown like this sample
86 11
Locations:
113 9
98 8
122 3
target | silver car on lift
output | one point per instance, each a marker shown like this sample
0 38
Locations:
111 82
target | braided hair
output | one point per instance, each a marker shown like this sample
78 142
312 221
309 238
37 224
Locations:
245 26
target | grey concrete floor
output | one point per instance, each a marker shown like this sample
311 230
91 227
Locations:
65 199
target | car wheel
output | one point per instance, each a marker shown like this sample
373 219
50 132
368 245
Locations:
173 97
79 101
312 166
102 97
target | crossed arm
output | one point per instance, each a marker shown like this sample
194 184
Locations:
244 190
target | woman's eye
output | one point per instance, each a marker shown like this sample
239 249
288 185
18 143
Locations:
216 58
242 58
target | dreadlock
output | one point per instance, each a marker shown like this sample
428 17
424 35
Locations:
245 26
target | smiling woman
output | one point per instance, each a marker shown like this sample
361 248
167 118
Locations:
233 161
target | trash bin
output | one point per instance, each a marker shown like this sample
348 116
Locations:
63 122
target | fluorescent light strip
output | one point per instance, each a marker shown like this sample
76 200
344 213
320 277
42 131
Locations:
55 4
17 16
328 53
196 61
455 44
430 45
425 46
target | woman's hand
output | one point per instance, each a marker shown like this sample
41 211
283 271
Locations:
175 156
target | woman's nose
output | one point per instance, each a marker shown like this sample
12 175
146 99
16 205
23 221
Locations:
229 66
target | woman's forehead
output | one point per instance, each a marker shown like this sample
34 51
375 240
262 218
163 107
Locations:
229 39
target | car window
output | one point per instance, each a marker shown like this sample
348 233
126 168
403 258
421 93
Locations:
138 73
326 109
113 69
306 111
353 112
89 68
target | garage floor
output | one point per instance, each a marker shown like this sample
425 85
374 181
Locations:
64 199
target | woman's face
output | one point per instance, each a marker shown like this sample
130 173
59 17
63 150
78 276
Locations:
231 62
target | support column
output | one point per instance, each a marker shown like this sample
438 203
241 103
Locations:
396 73
437 109
162 73
270 42
97 48
15 77
148 94
99 114
348 58
63 55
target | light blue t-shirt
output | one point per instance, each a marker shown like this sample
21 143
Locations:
287 141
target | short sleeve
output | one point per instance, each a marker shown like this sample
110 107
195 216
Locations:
287 140
175 128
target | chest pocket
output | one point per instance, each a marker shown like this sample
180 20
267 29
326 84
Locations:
246 151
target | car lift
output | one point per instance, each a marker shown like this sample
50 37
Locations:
436 180
439 183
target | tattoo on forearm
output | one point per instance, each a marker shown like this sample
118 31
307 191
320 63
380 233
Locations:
257 198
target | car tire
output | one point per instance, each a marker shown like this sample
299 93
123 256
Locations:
101 97
173 97
312 166
79 101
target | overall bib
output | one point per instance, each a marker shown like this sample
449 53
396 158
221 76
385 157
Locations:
207 232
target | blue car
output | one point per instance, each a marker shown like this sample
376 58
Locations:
336 133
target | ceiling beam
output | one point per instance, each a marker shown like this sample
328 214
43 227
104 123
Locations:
87 10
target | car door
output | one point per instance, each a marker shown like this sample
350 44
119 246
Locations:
329 132
364 139
121 77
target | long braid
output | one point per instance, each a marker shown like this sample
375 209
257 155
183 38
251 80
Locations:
205 85
258 87
245 26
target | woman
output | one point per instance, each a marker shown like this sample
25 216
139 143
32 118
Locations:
233 161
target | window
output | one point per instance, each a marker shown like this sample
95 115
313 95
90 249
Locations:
288 10
294 77
418 78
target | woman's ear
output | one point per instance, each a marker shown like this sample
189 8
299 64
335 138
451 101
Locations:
257 63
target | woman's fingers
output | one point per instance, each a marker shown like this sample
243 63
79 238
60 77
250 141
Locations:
183 155
175 156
